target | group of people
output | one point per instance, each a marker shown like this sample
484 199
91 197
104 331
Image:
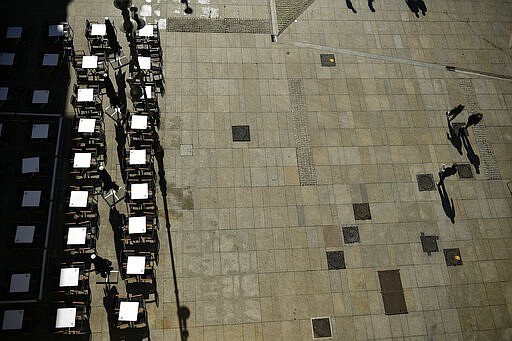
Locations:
473 119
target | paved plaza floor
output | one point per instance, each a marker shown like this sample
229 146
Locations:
343 128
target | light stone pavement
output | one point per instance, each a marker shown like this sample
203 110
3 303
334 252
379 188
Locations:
250 242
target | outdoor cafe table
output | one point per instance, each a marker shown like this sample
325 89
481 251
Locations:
40 131
14 32
98 29
65 318
86 125
85 95
13 319
139 191
137 224
145 63
6 58
30 165
78 199
31 198
19 283
24 234
146 31
56 30
138 157
40 96
4 91
82 160
128 311
89 62
139 122
51 59
77 235
69 277
136 265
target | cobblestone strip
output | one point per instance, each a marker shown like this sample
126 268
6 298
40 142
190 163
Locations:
487 157
224 25
307 171
289 10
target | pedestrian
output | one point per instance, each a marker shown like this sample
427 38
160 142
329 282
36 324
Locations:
454 112
101 265
446 172
108 185
473 120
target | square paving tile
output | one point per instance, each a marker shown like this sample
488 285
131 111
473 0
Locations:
429 243
426 182
328 59
464 171
452 257
362 211
351 234
186 149
241 133
335 260
332 236
321 327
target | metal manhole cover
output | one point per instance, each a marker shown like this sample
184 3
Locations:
426 182
350 234
452 257
362 211
327 60
335 260
464 171
321 327
241 133
429 243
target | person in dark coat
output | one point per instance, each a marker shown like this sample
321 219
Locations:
107 184
473 120
454 112
102 266
446 172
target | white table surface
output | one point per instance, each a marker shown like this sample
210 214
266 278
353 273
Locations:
82 160
24 234
136 225
146 31
51 59
139 122
78 199
86 125
13 319
137 157
89 62
98 29
6 58
85 95
65 318
69 277
19 283
149 92
40 96
4 91
56 30
30 165
128 311
139 191
76 235
145 63
136 265
40 131
14 32
31 198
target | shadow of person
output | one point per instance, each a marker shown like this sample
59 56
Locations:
454 138
413 6
184 314
350 6
117 221
109 303
370 5
472 157
447 202
422 6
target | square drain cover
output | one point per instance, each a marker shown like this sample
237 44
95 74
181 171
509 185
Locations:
464 171
452 257
362 211
426 182
321 327
335 260
429 243
327 60
350 234
241 133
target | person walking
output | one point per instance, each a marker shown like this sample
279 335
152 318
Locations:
454 112
473 120
446 172
109 186
102 266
